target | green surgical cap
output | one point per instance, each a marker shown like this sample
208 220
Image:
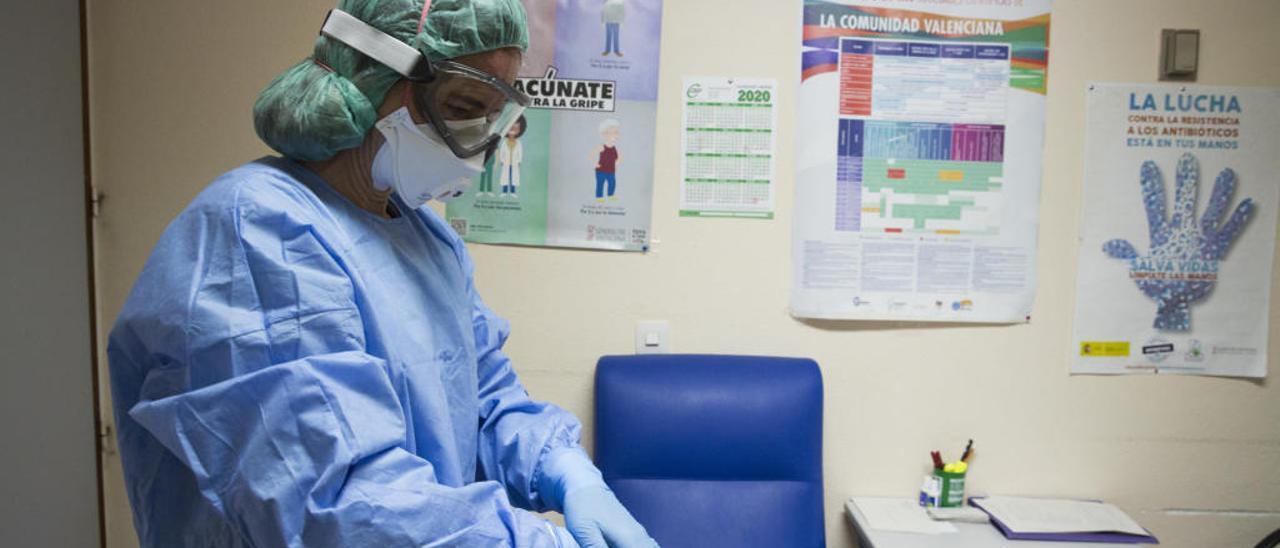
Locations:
328 102
462 27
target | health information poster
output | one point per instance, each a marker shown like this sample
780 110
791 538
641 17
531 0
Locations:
1177 230
918 165
577 170
728 147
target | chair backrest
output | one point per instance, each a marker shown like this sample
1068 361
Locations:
709 451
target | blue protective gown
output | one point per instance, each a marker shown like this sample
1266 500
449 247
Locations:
291 370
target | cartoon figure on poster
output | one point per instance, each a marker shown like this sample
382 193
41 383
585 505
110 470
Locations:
589 45
485 186
1181 266
612 14
607 159
509 155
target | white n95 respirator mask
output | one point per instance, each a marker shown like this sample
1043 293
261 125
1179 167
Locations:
416 162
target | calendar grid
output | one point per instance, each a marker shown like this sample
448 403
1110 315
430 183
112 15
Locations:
728 154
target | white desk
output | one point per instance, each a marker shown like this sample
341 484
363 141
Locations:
969 535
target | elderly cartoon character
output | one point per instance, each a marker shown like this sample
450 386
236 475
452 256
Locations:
607 159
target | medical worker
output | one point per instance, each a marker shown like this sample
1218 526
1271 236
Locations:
304 360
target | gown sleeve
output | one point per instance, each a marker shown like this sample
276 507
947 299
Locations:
516 431
249 347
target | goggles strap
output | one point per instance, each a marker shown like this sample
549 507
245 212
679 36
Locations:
378 45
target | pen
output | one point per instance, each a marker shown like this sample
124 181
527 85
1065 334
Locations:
968 450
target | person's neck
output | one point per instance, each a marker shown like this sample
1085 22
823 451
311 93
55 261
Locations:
350 173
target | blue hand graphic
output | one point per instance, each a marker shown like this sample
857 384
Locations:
1182 266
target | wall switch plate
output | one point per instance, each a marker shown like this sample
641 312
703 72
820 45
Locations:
1179 55
653 337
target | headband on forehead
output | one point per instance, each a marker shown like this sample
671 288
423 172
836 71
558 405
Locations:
378 45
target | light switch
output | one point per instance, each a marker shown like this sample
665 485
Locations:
1185 51
1179 54
652 337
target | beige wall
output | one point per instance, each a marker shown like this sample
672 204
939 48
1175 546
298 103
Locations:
172 83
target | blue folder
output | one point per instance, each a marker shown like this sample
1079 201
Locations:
1149 538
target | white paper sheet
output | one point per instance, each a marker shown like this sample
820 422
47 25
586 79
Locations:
902 515
1036 515
963 514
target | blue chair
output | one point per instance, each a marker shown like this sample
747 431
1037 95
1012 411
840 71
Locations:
709 451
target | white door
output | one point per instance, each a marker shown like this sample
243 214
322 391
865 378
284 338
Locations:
48 470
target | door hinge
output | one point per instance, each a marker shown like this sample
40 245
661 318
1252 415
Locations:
106 438
95 203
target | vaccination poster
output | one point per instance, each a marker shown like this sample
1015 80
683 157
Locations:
918 162
1177 230
577 170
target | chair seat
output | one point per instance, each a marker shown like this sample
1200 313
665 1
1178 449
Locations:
776 514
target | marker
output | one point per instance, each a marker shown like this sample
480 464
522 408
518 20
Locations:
937 459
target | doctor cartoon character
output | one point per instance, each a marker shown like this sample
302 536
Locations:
508 157
612 13
607 159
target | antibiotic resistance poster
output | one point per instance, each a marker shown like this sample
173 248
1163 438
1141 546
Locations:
1177 230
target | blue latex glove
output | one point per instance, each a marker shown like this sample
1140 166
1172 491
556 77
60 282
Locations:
595 517
1182 265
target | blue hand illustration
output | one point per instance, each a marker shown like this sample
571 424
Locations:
1182 265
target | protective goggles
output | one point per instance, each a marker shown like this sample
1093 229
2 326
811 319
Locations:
471 109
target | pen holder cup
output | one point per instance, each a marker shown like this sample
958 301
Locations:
951 488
